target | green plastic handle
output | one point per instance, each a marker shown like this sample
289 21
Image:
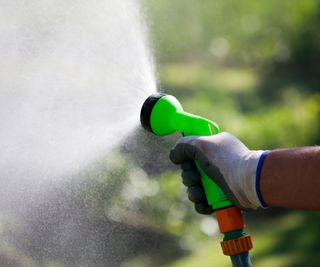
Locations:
203 127
168 117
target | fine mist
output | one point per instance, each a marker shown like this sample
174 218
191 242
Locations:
73 77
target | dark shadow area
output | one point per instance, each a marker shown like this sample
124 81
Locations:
302 69
301 242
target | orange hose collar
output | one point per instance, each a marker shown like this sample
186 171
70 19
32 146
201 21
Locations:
236 246
229 219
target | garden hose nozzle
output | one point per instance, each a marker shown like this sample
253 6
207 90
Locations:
162 115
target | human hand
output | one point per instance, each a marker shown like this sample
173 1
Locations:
227 161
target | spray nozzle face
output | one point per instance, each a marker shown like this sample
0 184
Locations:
148 105
159 114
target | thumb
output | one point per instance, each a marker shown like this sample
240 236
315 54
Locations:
184 150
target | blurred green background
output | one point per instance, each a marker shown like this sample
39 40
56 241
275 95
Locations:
251 66
254 68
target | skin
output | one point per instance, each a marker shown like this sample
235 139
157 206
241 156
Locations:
290 178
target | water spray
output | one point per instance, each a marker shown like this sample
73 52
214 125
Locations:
162 115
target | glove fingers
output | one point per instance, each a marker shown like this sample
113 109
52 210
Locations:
195 193
190 177
203 208
183 152
188 165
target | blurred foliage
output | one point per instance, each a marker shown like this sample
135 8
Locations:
251 66
236 33
254 68
229 97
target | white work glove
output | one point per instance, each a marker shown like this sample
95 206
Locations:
227 161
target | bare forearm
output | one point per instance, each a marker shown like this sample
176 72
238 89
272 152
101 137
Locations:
290 178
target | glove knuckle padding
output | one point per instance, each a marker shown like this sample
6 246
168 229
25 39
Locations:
188 165
203 208
195 193
190 177
183 152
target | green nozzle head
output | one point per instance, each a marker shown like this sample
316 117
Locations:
163 114
158 112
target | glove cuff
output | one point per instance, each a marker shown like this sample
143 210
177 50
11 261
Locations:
251 166
258 175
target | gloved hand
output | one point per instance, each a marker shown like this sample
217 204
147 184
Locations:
227 161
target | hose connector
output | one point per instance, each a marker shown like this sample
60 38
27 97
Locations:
236 246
